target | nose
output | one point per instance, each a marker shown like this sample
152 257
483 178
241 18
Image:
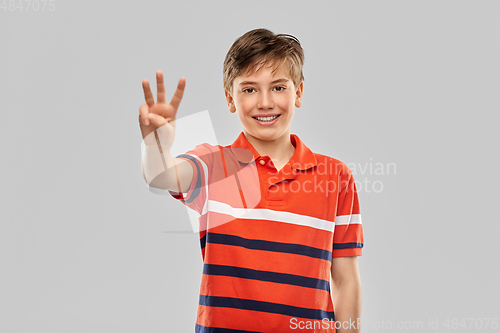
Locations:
265 100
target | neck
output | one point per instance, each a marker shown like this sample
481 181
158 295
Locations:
279 150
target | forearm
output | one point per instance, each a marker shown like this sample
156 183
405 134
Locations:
347 301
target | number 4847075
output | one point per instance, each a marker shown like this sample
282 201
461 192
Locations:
471 323
28 5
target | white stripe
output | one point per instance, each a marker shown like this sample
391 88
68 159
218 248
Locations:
348 219
268 214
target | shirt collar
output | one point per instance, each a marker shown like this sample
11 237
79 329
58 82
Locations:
302 159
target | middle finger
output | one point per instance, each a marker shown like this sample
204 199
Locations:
160 87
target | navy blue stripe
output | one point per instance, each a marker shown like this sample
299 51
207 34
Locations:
196 189
204 329
203 241
283 278
248 304
338 246
257 244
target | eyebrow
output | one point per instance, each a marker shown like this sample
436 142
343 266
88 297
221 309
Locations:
275 81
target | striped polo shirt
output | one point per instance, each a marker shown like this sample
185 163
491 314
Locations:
268 237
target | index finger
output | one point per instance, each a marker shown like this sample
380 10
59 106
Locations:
148 95
179 92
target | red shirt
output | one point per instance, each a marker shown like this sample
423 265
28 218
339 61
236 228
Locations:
267 237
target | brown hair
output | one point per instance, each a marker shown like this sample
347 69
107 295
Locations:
258 47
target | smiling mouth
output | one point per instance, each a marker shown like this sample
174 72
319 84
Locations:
264 119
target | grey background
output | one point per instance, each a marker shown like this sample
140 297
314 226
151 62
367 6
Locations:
85 247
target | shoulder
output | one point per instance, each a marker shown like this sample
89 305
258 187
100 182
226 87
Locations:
204 148
332 166
325 165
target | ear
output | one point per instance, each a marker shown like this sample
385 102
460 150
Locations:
298 94
230 101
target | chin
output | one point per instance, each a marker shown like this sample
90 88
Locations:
265 135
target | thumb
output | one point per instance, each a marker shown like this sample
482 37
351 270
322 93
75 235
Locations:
157 120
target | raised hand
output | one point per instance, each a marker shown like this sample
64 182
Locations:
159 115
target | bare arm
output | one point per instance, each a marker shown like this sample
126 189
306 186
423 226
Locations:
157 123
346 292
165 172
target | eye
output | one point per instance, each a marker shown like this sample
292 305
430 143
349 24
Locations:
279 88
248 90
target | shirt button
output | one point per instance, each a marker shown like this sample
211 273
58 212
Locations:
262 162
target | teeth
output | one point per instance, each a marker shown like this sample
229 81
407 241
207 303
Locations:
266 118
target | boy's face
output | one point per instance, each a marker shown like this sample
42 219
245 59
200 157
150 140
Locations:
263 94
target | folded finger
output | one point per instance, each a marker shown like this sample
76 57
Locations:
157 120
144 114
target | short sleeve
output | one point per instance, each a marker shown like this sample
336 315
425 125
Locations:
201 160
348 234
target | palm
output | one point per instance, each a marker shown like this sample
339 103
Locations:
165 110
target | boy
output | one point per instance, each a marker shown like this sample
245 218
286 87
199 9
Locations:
276 220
